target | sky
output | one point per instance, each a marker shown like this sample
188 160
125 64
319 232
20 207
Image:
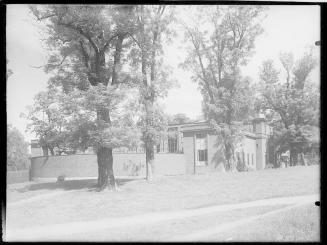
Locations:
287 28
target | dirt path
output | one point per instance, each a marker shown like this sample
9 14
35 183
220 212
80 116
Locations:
219 228
41 233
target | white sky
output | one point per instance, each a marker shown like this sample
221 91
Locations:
287 28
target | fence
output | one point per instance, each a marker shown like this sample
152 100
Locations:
18 176
85 165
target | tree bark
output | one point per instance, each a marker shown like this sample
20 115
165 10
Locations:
45 151
149 146
117 55
293 156
106 176
149 159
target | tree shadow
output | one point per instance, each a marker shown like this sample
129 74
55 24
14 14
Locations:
88 184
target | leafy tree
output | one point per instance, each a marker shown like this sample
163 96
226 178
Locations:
17 150
179 118
87 44
48 123
293 105
152 26
215 57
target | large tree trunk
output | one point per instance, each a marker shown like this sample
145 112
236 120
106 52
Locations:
149 159
45 151
149 145
105 159
293 157
106 176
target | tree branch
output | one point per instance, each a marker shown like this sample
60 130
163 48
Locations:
84 34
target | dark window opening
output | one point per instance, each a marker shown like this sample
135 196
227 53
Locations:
172 144
158 148
202 155
200 135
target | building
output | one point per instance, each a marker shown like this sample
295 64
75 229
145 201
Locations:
197 143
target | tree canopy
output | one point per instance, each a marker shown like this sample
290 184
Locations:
17 150
216 54
292 105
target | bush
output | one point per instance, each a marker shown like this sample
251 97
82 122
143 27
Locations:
240 165
17 150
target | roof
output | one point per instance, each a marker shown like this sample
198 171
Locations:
204 126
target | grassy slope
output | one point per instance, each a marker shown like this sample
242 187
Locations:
298 224
170 193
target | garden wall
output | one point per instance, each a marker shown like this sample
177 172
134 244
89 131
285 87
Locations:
18 176
85 165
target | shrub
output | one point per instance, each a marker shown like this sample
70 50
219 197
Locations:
17 150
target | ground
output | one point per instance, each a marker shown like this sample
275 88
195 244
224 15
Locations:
69 206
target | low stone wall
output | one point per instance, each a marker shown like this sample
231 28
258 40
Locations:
18 176
85 165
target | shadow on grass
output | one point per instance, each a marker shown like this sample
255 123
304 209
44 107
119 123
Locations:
68 185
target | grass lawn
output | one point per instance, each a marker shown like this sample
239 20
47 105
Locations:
298 224
163 194
165 231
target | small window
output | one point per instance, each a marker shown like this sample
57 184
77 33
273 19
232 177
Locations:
158 148
172 144
200 135
202 155
248 155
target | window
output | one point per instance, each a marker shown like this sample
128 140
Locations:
200 135
158 148
248 158
172 144
202 155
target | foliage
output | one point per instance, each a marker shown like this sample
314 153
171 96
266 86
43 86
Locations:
89 130
293 106
87 45
179 118
215 57
17 150
152 30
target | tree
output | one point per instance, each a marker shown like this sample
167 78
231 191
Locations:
215 57
17 150
179 118
48 122
87 43
152 27
293 104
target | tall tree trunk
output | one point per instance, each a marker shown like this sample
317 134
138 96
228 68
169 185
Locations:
45 151
106 176
51 150
149 146
293 156
149 159
117 55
